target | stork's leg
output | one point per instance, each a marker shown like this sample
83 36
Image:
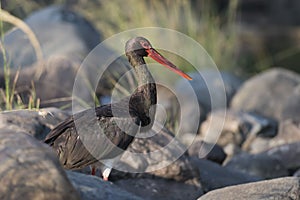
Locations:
105 173
93 170
108 165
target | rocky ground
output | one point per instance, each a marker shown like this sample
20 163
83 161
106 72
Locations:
252 152
260 161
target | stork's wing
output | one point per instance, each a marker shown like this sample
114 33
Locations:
92 135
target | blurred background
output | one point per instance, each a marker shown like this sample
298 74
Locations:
245 36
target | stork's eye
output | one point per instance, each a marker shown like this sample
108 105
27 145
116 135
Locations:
145 45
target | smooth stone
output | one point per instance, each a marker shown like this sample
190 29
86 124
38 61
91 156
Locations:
282 188
266 93
209 151
160 189
208 87
30 170
92 187
260 165
288 154
36 123
214 176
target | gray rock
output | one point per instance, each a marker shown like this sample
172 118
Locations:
168 111
211 81
206 86
288 154
289 132
266 93
160 189
297 173
264 166
202 149
65 38
36 123
282 188
291 107
30 170
60 31
239 128
92 187
54 85
213 176
147 154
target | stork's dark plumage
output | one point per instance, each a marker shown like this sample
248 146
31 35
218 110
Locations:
119 122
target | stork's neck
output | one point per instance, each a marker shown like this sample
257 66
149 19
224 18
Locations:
145 94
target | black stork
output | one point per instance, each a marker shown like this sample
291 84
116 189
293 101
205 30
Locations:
65 139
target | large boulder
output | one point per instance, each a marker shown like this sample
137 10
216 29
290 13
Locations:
281 188
92 187
237 128
264 166
209 87
65 38
288 154
36 123
30 170
147 154
213 176
160 189
60 32
291 107
267 93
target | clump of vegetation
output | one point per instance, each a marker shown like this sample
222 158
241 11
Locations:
215 33
8 95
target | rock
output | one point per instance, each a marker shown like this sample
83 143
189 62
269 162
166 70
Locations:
297 173
213 176
160 189
54 85
266 93
288 154
36 123
259 165
281 188
30 170
202 149
258 145
168 109
92 187
289 132
53 26
291 107
52 78
146 155
239 128
211 81
206 86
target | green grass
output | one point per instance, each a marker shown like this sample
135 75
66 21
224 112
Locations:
6 70
9 97
216 32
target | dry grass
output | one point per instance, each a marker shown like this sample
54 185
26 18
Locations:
11 99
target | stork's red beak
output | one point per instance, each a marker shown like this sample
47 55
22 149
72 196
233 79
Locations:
162 60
